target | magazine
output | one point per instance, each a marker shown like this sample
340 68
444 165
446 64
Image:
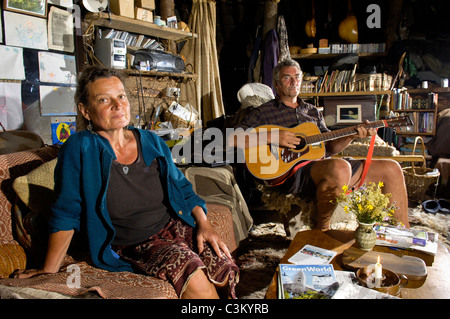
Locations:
307 281
312 255
407 239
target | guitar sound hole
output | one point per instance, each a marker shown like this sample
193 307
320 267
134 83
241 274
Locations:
301 145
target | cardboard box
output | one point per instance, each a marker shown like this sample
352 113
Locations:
146 4
124 8
144 14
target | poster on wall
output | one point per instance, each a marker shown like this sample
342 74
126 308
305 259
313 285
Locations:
25 31
60 30
11 63
57 68
62 128
11 115
33 7
57 100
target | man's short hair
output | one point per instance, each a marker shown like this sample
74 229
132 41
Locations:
283 64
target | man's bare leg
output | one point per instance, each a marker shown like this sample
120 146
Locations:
390 173
329 176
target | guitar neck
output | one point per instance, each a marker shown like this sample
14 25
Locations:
348 131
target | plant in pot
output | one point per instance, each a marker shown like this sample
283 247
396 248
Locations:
369 205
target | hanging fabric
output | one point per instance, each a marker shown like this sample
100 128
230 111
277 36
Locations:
283 39
201 53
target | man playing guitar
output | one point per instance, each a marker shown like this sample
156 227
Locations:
322 179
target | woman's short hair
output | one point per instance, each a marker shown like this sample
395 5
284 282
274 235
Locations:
89 75
283 64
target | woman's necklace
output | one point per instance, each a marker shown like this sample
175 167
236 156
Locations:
125 167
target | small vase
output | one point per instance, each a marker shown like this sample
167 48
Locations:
365 236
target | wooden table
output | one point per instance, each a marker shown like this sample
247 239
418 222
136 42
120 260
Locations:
436 286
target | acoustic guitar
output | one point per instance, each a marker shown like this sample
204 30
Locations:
272 163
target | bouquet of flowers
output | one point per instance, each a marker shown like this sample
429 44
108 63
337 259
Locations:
368 203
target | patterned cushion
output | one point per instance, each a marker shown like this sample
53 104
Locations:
35 189
12 166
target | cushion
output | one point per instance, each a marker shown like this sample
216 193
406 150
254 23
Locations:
12 257
35 189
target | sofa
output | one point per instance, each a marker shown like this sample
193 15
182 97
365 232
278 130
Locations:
26 191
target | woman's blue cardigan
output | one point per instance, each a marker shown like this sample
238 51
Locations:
81 179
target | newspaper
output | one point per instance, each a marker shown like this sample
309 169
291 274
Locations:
407 239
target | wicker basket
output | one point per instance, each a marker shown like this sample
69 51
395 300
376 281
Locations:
420 179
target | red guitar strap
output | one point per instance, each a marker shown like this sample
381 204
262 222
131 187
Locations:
368 159
292 172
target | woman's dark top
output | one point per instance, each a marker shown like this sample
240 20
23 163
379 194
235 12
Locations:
136 201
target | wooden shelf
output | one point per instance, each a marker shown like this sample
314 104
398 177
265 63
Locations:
415 134
356 93
103 19
430 90
159 73
415 110
334 55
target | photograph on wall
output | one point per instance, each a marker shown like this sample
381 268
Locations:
60 30
25 31
57 68
33 7
11 63
62 128
348 114
57 100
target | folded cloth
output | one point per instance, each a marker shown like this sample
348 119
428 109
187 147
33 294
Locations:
444 206
431 206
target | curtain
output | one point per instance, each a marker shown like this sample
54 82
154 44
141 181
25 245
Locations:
201 52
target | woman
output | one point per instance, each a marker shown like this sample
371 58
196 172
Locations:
120 187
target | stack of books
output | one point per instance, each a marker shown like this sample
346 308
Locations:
132 39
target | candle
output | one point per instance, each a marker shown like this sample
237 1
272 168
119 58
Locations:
378 269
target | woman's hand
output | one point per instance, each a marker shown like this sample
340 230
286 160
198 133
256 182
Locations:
26 273
206 233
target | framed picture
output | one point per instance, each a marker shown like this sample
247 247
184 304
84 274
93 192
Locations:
33 7
348 114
